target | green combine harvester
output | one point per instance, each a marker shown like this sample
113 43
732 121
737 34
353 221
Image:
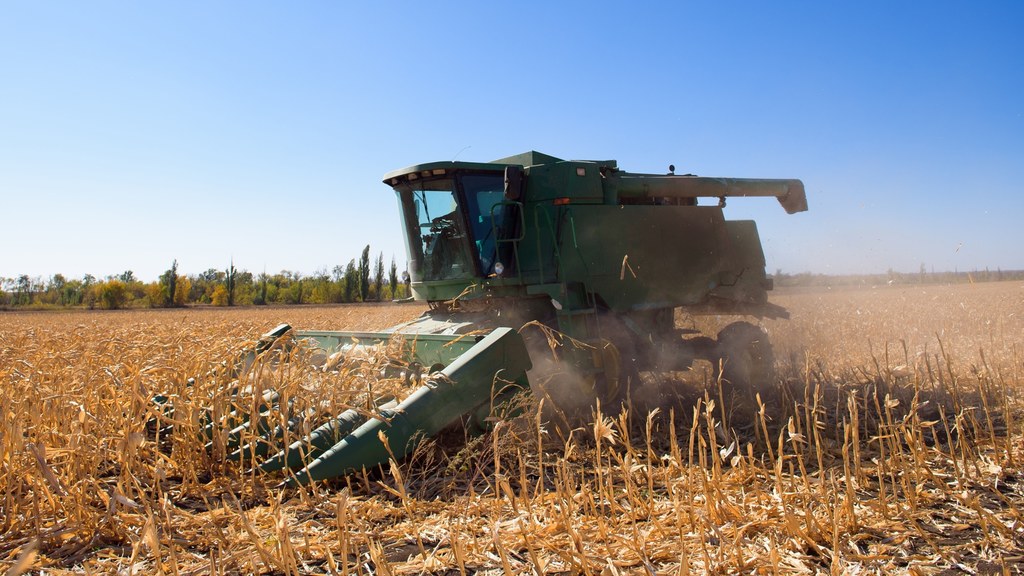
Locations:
510 253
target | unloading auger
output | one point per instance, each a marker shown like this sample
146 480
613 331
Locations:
576 248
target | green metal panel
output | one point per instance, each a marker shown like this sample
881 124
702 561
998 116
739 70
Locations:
790 193
640 257
427 349
475 379
531 158
578 181
745 281
438 290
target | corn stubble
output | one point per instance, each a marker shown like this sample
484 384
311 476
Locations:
891 443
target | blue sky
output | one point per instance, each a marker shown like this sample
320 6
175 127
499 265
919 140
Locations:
133 134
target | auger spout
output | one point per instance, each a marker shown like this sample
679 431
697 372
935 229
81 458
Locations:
485 372
790 193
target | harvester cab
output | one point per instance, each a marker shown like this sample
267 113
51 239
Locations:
600 257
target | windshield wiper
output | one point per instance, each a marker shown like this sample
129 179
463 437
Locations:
423 200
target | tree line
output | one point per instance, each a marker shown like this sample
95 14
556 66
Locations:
893 277
357 281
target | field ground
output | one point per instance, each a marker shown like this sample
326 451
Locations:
893 444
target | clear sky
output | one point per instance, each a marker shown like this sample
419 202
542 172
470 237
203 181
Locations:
136 133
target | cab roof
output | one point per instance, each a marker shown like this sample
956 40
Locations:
531 158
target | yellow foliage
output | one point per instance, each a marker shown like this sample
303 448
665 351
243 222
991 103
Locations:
155 294
181 290
111 294
220 296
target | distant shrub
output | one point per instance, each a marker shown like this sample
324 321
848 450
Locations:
111 294
220 296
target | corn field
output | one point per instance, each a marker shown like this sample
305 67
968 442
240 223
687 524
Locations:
890 442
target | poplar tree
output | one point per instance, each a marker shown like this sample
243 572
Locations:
169 280
364 274
378 276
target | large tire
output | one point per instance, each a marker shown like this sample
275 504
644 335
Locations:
746 367
620 375
575 396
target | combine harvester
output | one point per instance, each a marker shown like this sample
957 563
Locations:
576 249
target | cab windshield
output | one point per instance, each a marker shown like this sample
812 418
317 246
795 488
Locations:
451 225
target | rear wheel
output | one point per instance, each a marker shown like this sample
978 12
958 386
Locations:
745 365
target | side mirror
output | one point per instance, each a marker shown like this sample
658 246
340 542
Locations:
513 182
